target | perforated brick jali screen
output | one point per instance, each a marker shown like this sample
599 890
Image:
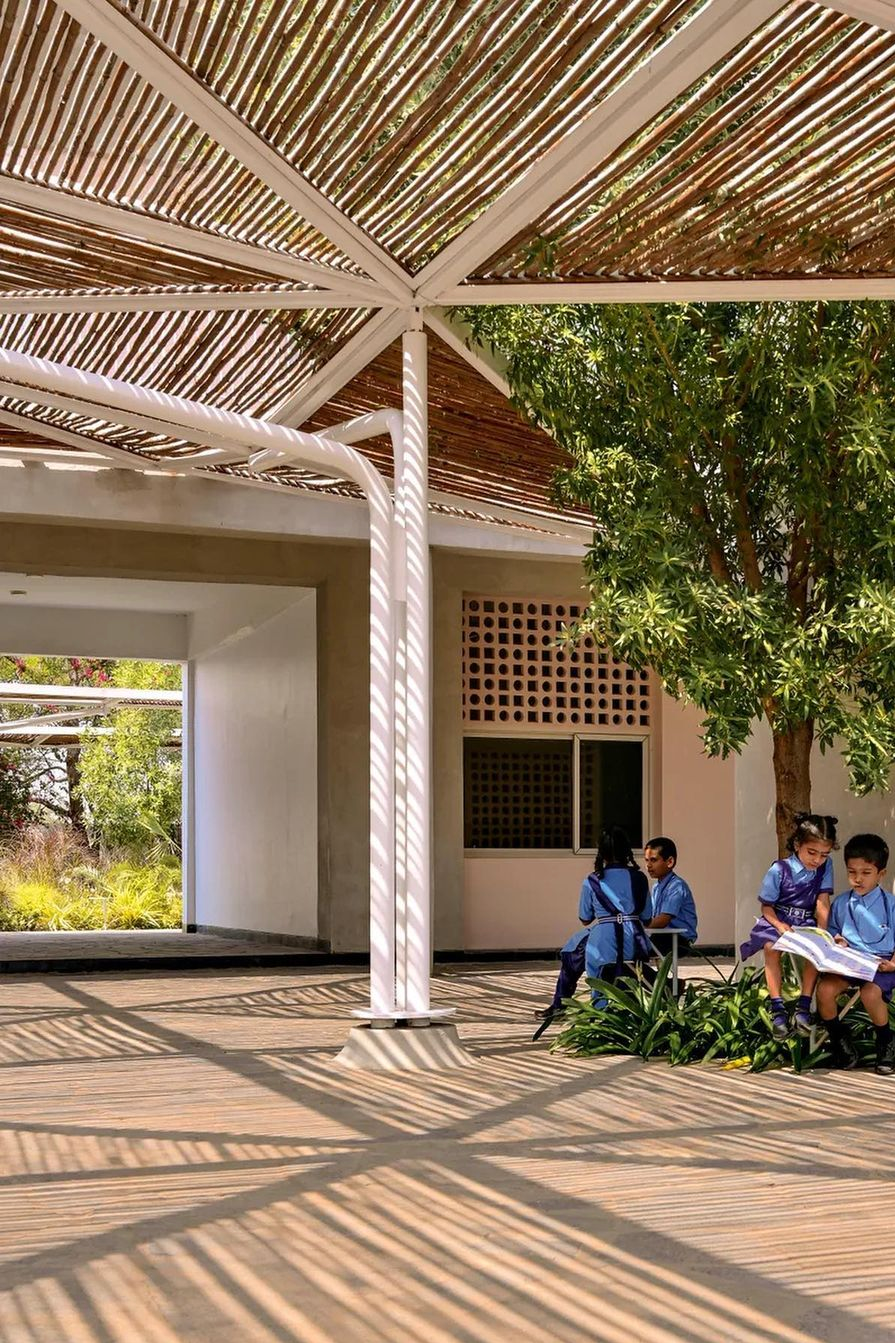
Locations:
515 674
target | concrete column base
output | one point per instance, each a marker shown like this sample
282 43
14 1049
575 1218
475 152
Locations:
405 1048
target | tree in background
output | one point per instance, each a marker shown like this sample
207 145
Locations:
131 779
52 776
115 789
739 461
14 795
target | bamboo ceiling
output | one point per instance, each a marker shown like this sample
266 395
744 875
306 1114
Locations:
222 199
780 162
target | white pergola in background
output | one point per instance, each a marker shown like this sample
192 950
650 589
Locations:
212 235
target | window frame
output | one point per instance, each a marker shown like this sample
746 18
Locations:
515 733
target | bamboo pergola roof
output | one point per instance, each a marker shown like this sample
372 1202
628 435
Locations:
246 203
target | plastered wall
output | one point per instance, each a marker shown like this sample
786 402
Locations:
254 728
697 812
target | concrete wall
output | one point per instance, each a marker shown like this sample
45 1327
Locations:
697 812
255 751
71 631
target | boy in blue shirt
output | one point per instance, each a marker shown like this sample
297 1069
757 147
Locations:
863 918
672 900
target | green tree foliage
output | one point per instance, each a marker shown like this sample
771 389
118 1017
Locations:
130 780
739 462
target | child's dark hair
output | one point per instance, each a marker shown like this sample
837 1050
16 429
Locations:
871 848
809 826
613 846
666 847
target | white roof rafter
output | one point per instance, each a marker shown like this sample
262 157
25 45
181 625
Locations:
183 300
192 241
878 13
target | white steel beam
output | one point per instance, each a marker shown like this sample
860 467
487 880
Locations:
147 56
455 333
363 347
222 449
705 39
192 242
17 692
878 13
111 455
161 300
63 716
672 291
46 382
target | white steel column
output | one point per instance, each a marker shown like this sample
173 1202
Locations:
417 827
188 791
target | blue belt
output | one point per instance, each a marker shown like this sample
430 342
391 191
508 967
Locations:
617 918
802 911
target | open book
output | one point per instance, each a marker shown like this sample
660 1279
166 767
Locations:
818 947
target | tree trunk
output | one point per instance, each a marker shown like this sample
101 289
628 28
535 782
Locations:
75 802
792 778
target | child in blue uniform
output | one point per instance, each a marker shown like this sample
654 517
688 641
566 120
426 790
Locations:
795 891
863 918
613 903
672 900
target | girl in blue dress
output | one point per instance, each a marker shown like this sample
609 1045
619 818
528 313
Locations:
795 891
614 902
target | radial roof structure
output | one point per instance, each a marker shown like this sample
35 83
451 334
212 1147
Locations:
244 202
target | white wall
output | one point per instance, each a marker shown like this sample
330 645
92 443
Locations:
74 631
255 761
696 810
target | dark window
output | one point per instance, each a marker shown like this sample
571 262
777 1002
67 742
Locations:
517 793
610 789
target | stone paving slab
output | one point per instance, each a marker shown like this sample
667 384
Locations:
182 1161
140 948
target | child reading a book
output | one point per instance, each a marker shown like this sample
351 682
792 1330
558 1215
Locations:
863 918
795 891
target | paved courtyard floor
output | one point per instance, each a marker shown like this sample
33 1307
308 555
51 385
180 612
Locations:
183 1162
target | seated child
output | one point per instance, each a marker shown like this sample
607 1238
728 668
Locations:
672 900
863 918
795 891
614 901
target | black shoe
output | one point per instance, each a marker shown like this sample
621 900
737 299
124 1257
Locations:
885 1056
845 1055
548 1013
780 1025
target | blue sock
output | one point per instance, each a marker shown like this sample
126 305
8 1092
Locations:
804 1003
777 1006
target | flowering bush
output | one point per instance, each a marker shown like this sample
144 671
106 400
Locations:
14 794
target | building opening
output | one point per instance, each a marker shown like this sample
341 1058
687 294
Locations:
90 794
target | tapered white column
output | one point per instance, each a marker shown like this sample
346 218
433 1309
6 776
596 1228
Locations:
414 964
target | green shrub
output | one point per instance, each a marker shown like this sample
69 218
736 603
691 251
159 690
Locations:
726 1020
48 908
53 897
